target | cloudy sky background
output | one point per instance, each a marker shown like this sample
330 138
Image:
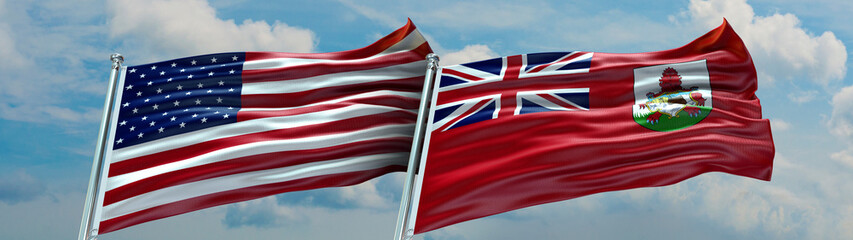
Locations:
55 66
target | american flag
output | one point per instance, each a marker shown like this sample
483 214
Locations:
479 91
209 130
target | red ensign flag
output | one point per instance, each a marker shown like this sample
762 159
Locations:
530 129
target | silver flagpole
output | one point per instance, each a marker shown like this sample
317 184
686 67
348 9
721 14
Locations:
417 145
86 231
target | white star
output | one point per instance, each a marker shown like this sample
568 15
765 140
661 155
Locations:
204 120
217 112
225 116
120 140
135 110
133 70
177 103
173 118
147 99
161 129
153 67
188 93
229 108
142 76
127 104
202 67
169 80
231 72
138 94
210 91
132 128
231 90
213 60
234 58
221 83
219 100
200 85
162 73
195 115
180 87
156 106
144 118
159 90
193 62
165 113
182 70
210 74
150 82
168 96
174 64
122 123
190 76
197 102
140 135
183 124
128 87
186 110
152 123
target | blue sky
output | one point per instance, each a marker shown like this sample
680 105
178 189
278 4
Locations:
55 66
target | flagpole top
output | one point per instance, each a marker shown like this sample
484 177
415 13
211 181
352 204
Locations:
432 57
432 61
117 60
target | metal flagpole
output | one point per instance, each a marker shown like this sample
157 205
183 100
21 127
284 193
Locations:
86 231
417 145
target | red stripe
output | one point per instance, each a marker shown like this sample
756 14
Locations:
244 194
460 74
296 99
372 49
340 126
390 101
256 163
317 69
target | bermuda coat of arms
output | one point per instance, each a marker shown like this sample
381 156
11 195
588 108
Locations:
670 97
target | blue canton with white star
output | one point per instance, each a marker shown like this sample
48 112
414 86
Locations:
174 97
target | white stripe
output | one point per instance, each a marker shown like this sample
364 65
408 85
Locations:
246 127
250 179
373 94
410 42
399 71
255 148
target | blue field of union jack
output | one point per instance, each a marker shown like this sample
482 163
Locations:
478 91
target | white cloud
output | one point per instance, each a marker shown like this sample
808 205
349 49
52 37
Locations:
844 157
779 125
841 122
180 28
261 213
780 47
803 96
45 46
492 14
365 195
373 14
469 53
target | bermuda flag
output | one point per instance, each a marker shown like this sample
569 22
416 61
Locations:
209 130
524 130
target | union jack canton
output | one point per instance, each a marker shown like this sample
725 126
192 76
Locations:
478 91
